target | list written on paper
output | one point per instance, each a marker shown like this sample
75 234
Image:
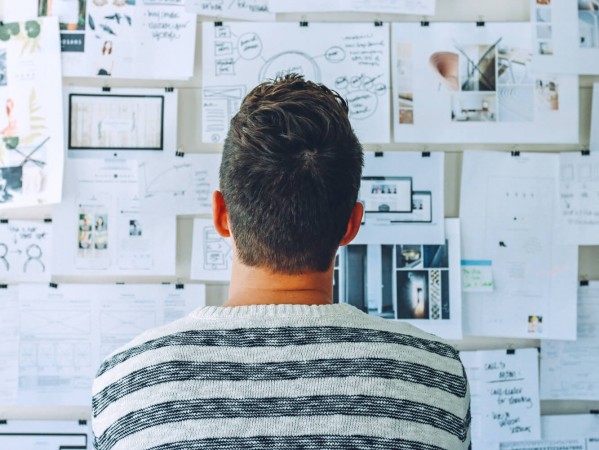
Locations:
505 395
164 23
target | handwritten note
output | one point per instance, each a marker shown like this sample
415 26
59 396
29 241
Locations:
350 58
579 198
505 396
477 276
235 9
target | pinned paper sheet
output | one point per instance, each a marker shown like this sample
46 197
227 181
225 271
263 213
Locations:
504 387
66 330
456 82
477 276
563 432
31 131
569 369
566 36
133 122
578 211
415 283
416 7
352 58
403 196
46 435
100 228
212 255
9 344
507 211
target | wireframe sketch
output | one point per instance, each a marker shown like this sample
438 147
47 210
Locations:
349 58
105 121
212 255
25 249
217 251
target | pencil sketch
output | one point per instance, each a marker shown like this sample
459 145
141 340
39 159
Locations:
352 59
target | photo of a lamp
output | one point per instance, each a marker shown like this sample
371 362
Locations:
419 306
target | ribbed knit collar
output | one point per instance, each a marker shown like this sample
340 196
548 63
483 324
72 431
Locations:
240 312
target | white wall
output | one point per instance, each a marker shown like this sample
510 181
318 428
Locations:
189 138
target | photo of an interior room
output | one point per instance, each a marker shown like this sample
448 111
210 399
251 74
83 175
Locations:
477 67
474 107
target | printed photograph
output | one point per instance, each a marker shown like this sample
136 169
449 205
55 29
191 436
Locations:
435 256
3 68
545 48
535 324
11 182
588 23
135 228
547 95
412 294
85 239
101 232
477 67
474 107
408 256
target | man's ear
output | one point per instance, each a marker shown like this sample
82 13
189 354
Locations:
219 214
353 226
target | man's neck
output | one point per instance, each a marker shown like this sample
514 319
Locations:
259 286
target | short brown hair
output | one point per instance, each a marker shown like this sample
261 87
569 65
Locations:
290 175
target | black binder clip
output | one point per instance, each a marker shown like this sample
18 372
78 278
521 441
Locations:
3 286
82 422
510 351
179 286
424 23
4 221
584 283
426 154
585 152
180 153
169 89
378 23
3 421
218 23
515 153
105 88
53 285
594 411
48 220
378 154
480 23
303 23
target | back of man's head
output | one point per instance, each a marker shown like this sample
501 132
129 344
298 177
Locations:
290 175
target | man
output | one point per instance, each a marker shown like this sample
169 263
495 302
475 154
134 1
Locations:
280 366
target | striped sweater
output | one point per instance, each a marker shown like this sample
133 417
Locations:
282 377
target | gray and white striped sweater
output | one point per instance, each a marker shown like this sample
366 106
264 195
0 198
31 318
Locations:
282 377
